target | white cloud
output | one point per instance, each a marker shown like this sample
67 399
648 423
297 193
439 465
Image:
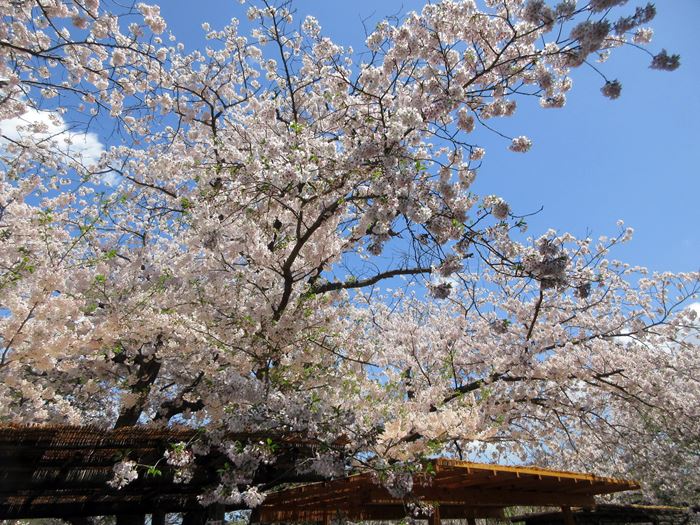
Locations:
85 148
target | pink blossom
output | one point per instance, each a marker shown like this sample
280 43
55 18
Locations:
611 89
520 144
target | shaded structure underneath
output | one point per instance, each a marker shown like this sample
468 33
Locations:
454 489
63 471
606 514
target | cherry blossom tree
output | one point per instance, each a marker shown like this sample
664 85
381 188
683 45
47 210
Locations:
222 264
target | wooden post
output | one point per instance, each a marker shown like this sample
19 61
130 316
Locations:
471 521
194 517
216 513
131 519
568 516
434 518
78 521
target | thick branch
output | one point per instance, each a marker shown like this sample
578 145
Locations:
361 283
172 408
178 405
301 241
148 370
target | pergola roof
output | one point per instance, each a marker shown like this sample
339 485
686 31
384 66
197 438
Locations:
459 489
51 471
62 471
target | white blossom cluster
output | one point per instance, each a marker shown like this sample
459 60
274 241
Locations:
666 62
230 495
181 458
521 144
124 473
420 509
399 484
612 89
327 465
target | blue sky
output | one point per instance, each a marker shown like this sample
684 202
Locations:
593 162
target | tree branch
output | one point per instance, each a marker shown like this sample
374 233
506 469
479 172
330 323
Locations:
361 283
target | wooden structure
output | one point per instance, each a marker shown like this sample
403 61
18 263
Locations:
611 515
62 471
456 489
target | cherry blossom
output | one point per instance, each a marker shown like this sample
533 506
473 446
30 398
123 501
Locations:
279 236
124 473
